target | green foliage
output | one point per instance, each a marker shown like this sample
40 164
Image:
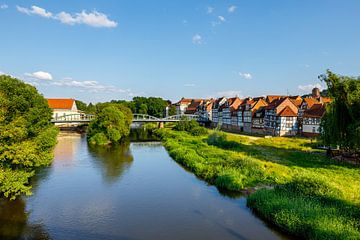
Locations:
153 106
112 123
26 135
341 123
192 127
172 110
309 208
313 198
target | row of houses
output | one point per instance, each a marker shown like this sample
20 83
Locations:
271 115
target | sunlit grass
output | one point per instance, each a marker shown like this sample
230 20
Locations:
236 162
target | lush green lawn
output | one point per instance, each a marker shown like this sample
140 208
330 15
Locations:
313 197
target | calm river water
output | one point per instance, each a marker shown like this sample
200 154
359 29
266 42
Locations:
133 191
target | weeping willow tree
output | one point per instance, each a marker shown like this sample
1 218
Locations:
341 123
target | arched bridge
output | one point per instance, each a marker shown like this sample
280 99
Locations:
80 118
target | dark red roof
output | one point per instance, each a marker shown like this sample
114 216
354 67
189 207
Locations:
316 111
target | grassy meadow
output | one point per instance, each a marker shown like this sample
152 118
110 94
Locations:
310 195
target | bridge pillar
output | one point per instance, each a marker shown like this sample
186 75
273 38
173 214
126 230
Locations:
161 125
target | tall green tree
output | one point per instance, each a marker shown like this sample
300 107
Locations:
111 125
341 123
27 136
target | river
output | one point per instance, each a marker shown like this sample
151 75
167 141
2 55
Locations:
132 191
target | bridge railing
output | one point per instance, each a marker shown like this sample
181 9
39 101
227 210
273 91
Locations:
76 117
81 117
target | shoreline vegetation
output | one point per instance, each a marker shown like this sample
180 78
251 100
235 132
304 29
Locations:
312 196
27 137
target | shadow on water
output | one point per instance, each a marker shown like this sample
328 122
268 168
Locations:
112 160
14 222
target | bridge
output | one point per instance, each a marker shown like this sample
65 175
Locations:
81 118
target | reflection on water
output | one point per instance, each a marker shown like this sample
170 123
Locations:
113 161
129 191
14 222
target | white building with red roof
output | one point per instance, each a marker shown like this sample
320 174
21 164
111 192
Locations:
62 106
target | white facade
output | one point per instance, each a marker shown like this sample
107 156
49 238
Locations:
63 112
311 125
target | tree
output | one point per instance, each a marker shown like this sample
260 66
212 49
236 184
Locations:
172 110
81 105
27 136
341 123
143 109
111 125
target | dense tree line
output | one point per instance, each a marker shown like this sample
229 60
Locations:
27 136
153 106
341 123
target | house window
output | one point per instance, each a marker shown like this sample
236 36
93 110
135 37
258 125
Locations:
314 130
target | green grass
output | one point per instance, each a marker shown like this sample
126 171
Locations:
314 197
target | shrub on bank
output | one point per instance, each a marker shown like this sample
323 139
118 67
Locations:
191 127
308 208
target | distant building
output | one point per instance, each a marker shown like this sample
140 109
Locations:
312 119
205 110
62 107
217 110
182 105
281 118
228 109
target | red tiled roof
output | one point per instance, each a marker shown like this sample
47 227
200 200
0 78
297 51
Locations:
193 106
184 101
287 112
57 103
316 111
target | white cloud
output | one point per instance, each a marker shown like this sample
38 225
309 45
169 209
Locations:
93 19
232 9
3 6
309 87
246 75
40 75
189 85
229 93
197 39
221 18
35 10
90 86
210 10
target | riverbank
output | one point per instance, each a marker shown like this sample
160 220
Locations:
313 197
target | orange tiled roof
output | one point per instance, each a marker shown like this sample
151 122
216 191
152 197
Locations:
310 101
287 112
57 103
325 99
184 101
297 100
271 98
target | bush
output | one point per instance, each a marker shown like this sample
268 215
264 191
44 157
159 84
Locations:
191 127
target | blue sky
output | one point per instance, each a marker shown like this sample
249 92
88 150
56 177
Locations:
102 50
